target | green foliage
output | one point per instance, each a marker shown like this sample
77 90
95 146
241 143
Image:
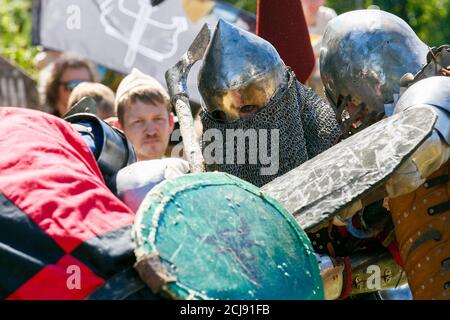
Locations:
430 19
248 5
15 33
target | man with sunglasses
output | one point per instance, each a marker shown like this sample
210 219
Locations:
62 77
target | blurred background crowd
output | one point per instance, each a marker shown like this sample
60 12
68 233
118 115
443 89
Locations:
138 103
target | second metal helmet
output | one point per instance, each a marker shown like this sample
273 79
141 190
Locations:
240 70
364 54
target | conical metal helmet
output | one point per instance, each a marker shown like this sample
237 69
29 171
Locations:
240 73
364 55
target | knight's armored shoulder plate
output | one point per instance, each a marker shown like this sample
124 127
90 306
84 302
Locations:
433 92
113 150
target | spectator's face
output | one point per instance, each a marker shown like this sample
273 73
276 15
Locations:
69 79
313 4
310 8
148 127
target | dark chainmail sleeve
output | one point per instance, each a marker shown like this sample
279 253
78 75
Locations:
319 122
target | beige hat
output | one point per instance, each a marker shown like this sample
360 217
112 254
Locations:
197 9
135 80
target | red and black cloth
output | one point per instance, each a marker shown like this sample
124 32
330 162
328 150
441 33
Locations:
57 215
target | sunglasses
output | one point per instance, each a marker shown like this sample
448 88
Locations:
70 85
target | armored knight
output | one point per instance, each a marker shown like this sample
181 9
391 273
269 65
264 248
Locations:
364 58
237 104
245 85
364 54
247 89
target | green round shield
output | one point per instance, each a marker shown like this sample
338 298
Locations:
214 236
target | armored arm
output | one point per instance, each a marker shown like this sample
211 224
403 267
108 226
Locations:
434 94
428 158
111 149
136 180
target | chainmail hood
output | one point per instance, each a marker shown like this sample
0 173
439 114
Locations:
305 124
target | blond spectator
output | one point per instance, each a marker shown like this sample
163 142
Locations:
144 112
103 96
